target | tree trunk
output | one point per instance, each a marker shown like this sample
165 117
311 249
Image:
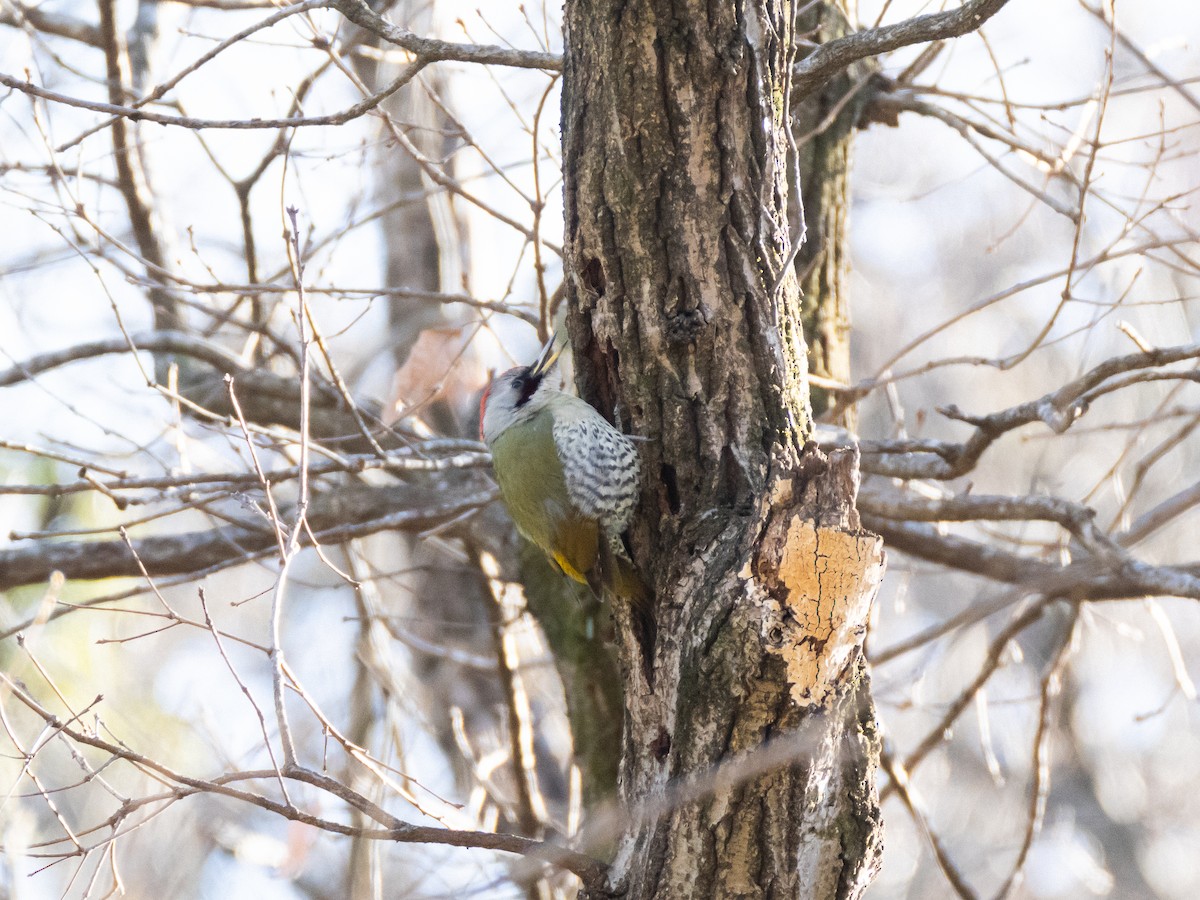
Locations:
824 124
749 766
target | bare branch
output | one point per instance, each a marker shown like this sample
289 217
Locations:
427 456
142 115
530 805
1088 580
334 517
266 396
153 342
1160 515
433 50
1039 789
987 668
905 101
162 89
1178 84
591 870
132 180
1074 517
834 56
899 782
17 14
1059 409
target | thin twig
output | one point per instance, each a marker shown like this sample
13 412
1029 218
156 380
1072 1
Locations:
590 870
1039 789
262 721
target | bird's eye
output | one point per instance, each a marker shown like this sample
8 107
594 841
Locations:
525 386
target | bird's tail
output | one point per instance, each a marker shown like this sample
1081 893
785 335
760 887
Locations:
621 578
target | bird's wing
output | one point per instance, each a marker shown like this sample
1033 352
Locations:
576 543
600 467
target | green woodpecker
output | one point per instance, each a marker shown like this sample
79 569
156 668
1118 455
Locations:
570 481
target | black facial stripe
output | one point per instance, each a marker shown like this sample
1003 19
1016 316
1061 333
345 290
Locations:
526 384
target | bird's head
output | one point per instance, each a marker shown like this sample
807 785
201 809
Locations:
516 394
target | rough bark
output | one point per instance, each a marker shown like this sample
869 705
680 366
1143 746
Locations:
824 124
749 767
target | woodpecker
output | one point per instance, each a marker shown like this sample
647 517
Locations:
570 481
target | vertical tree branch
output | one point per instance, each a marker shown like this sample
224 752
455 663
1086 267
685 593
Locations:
132 183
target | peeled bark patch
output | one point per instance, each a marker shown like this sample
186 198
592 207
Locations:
817 585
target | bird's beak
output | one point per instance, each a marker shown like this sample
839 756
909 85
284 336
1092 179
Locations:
547 357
